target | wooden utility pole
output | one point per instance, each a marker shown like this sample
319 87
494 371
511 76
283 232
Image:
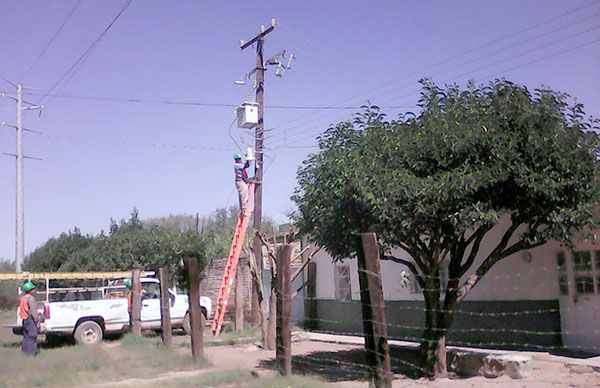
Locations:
136 303
239 296
258 163
165 307
196 324
283 351
371 294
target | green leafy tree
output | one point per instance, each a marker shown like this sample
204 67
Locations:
128 245
216 228
56 251
435 183
8 289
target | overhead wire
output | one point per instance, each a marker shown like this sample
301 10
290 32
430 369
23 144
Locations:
312 136
231 136
191 147
52 39
474 70
191 103
485 45
77 64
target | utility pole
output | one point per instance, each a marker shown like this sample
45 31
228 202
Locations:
258 164
20 216
20 205
259 71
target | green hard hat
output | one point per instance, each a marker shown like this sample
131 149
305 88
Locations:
237 156
28 286
127 283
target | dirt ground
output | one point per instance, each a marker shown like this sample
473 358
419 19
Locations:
341 365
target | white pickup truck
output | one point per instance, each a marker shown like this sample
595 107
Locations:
89 320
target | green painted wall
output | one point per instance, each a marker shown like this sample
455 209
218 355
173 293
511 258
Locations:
528 324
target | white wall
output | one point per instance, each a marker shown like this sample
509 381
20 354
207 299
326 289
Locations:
510 279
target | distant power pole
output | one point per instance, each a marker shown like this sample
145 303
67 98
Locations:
20 206
259 70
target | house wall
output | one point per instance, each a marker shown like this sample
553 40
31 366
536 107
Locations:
515 305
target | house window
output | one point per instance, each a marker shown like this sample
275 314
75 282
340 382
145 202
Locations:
584 284
587 271
343 289
563 282
582 261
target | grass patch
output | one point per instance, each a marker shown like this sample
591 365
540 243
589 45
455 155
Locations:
243 378
8 316
227 337
212 379
71 365
285 382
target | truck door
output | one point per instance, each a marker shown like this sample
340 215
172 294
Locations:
150 305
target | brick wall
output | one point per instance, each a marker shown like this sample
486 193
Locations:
213 275
211 283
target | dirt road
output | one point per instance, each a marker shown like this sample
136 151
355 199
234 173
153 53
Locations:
342 365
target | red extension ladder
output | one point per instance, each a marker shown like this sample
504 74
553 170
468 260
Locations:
231 267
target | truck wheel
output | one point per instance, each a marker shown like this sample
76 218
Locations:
88 333
187 327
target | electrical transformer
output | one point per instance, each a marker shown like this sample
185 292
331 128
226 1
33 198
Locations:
247 115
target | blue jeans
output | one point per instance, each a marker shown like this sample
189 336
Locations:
30 332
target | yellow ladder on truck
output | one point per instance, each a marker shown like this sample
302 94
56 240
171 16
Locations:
69 275
231 267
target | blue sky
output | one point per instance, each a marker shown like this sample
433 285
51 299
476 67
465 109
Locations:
102 158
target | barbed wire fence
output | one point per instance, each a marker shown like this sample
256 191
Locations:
486 324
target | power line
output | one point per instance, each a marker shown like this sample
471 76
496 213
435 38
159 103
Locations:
197 103
465 73
488 44
87 52
51 39
479 79
117 142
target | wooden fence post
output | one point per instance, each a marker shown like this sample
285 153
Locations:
283 352
239 297
378 352
136 303
165 307
196 323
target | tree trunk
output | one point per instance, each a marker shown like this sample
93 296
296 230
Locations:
433 346
272 325
263 324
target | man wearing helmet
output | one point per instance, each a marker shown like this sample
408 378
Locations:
241 181
28 315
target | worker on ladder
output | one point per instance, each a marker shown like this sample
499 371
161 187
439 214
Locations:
241 181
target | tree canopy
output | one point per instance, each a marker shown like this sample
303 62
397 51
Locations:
128 244
437 181
135 243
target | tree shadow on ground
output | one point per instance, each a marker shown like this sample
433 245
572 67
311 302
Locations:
573 353
349 365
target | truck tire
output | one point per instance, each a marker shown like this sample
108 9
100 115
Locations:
88 333
187 327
